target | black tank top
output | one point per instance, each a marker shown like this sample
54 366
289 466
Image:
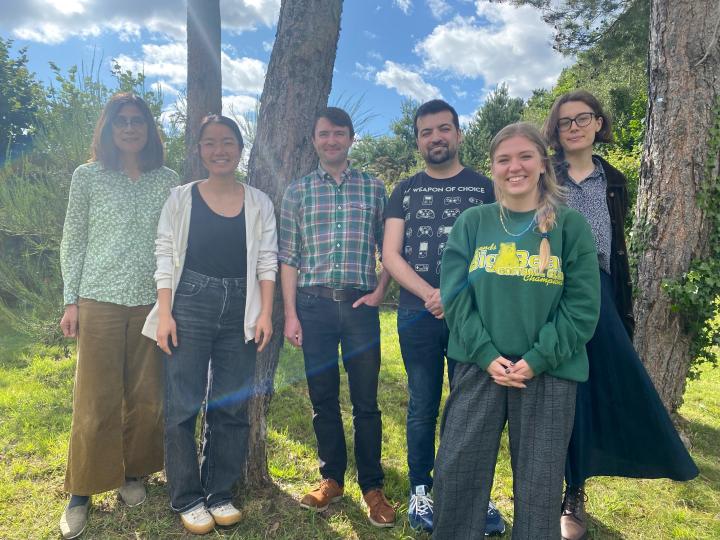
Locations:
217 245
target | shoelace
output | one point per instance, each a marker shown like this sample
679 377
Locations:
492 509
197 514
572 501
421 505
223 508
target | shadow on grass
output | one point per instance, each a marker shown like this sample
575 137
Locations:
706 441
267 513
598 530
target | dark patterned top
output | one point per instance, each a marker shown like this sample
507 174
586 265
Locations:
331 231
589 197
430 207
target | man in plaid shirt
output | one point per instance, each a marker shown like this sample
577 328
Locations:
331 227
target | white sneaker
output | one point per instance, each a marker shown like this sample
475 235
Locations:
198 520
225 514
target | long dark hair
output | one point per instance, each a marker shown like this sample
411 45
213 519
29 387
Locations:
103 147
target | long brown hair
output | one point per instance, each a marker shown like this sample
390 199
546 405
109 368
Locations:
551 193
550 128
103 147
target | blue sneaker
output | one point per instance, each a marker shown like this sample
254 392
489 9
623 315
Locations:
494 524
420 509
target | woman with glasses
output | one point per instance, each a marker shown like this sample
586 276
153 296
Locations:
216 266
107 263
621 426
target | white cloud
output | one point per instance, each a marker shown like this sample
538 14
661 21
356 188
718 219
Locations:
52 33
166 89
408 83
465 120
459 92
238 105
168 62
364 71
69 6
507 44
439 8
268 46
243 74
237 14
54 21
404 5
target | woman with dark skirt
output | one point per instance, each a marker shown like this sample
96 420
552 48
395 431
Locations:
621 426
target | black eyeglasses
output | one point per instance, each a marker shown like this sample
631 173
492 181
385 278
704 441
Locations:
581 120
121 122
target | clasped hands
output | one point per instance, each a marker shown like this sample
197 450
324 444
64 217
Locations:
433 304
508 373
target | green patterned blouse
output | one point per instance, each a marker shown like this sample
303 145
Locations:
107 248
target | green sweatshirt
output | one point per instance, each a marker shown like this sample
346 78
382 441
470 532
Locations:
498 303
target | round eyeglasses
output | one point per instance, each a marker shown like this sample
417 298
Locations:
581 120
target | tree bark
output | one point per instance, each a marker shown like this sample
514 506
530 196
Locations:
669 229
297 86
204 81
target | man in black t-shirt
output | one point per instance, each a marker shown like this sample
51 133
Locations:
418 220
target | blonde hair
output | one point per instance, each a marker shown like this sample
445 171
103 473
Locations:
551 193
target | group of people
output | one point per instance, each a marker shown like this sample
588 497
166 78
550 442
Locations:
520 285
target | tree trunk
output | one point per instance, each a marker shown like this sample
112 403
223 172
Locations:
669 229
204 81
297 86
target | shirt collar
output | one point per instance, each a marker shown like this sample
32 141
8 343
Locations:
597 172
347 173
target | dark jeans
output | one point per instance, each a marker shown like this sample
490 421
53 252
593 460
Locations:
325 324
423 343
213 360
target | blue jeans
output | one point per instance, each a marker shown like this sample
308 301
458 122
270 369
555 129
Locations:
211 360
423 344
325 324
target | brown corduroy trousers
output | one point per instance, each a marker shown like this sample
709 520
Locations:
117 425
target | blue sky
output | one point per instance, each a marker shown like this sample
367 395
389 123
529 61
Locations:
388 49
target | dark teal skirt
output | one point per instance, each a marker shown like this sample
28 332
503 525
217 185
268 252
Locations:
621 426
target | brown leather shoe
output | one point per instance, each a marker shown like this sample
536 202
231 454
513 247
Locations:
573 520
380 512
319 499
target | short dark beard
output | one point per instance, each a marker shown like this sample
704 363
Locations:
443 158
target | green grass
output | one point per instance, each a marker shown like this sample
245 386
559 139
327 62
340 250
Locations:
35 410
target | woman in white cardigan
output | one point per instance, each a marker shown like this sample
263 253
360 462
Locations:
216 256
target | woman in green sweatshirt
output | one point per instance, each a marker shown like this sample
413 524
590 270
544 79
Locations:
520 288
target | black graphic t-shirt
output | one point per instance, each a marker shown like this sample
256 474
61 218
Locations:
430 207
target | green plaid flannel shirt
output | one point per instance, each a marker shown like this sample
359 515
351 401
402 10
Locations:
331 231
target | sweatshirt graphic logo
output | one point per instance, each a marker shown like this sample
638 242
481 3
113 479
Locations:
510 261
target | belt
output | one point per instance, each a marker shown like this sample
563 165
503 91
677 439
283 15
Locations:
336 295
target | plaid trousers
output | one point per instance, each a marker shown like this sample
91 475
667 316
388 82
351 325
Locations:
540 421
